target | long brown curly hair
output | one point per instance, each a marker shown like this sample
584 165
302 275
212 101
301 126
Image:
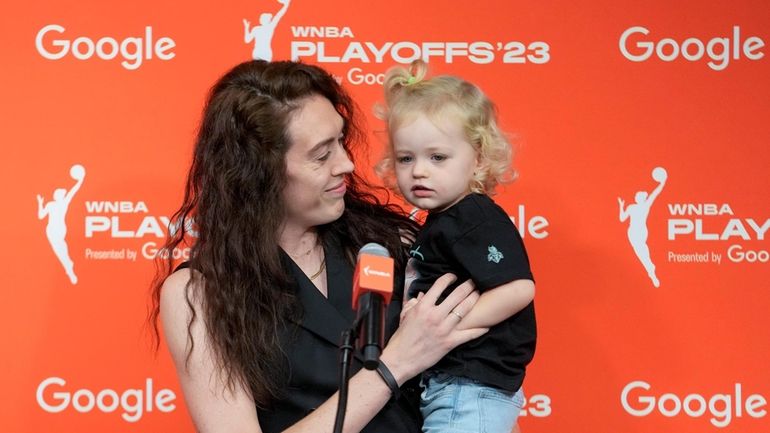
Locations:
233 195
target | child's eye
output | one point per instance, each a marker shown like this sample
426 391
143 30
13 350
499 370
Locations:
438 157
404 159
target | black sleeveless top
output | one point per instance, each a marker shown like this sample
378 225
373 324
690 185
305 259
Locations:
312 353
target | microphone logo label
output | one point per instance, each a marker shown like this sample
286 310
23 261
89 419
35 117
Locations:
369 271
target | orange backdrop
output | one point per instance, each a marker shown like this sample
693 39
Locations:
598 95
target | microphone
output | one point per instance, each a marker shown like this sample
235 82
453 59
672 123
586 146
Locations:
372 290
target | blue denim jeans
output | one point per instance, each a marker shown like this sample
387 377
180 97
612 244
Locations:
451 404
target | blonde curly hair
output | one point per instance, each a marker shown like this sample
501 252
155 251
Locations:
408 94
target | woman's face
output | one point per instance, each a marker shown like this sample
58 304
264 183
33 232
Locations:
316 165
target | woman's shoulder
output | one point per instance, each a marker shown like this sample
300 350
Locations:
178 279
174 296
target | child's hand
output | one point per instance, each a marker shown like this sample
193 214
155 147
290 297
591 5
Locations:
409 304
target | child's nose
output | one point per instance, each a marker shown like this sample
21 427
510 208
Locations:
419 169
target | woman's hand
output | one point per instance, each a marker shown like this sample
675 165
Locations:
429 331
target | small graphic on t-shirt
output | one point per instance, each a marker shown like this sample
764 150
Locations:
416 252
494 254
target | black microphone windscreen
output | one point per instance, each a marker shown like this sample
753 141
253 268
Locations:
374 249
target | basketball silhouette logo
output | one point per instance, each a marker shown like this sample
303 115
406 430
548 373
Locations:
77 172
659 174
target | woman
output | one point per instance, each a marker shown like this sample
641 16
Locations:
254 321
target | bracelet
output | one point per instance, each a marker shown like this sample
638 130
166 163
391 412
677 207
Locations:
389 380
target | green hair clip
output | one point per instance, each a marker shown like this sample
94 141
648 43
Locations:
411 80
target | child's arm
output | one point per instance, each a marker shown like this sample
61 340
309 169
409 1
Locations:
498 304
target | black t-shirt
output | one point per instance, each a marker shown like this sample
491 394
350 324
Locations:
475 239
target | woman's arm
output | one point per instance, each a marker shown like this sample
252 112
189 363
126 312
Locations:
212 406
498 304
426 334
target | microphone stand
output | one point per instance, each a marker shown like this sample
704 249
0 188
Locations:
346 353
372 330
371 361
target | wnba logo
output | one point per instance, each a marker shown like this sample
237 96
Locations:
56 212
262 34
637 214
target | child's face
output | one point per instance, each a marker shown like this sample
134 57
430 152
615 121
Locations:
434 165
